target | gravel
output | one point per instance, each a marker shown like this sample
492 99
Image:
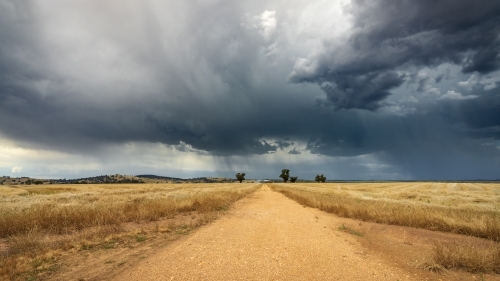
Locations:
267 237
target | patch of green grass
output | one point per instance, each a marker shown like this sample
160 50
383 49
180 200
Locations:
140 238
111 244
349 230
222 208
108 246
183 229
87 247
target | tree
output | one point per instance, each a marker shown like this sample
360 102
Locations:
293 179
285 174
240 177
320 178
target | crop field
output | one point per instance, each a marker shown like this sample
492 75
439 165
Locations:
471 209
36 220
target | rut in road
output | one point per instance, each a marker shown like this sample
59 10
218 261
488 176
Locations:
266 236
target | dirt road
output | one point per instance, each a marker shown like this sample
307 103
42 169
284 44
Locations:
267 237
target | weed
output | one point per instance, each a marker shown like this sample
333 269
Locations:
432 266
140 238
349 230
222 208
183 229
108 246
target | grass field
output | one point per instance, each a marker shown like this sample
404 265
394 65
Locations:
463 208
35 220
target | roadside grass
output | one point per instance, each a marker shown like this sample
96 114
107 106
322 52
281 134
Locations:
405 211
37 225
470 257
349 230
473 212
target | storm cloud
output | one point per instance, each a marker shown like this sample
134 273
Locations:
359 71
356 89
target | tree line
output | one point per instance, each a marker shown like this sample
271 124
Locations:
285 175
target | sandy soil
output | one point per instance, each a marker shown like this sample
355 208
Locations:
268 237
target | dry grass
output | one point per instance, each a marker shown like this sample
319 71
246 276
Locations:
431 206
63 209
470 209
38 220
471 257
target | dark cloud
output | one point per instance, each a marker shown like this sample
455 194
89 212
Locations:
484 60
368 89
476 118
440 77
283 144
393 34
190 88
201 77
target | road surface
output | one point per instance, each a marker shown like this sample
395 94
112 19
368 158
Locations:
266 236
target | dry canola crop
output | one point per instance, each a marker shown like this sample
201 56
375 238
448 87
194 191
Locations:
38 219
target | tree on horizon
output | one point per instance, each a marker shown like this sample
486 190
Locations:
240 177
285 174
320 178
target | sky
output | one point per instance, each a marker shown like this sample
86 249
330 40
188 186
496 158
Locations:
354 90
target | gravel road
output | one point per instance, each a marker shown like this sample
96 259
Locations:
266 236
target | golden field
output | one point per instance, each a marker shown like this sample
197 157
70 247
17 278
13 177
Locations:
35 220
463 208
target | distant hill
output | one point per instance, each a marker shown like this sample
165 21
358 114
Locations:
90 180
162 179
117 178
159 177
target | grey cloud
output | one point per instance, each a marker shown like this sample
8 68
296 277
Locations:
184 72
440 77
294 152
361 91
392 34
79 77
477 118
422 84
484 61
283 144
